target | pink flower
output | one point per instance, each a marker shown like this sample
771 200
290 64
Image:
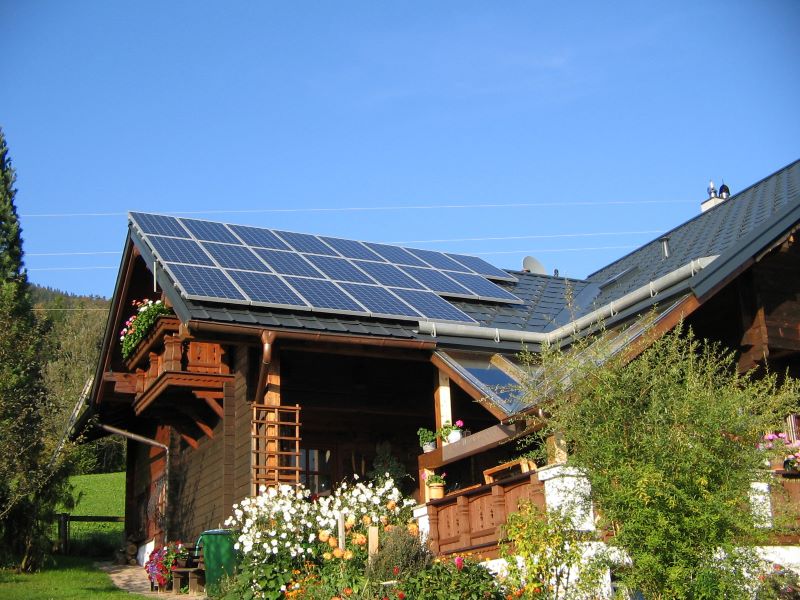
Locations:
459 562
459 423
424 475
770 437
782 435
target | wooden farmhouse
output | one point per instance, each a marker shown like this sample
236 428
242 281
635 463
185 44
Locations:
303 358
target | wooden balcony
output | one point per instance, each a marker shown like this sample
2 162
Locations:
471 520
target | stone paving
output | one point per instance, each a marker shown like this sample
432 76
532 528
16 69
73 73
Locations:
134 580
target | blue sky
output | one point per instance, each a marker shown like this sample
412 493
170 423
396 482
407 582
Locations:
570 133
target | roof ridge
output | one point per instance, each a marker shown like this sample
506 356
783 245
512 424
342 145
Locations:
694 218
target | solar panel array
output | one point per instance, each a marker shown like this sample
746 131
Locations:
282 269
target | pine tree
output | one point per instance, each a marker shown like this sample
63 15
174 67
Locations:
28 488
10 231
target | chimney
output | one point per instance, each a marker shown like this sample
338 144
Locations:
714 198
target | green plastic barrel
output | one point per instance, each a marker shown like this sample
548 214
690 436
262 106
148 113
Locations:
218 555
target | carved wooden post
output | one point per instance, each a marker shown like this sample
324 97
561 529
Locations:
172 353
433 519
153 370
464 525
499 509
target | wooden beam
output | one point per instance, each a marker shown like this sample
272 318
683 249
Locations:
442 405
190 440
213 404
478 442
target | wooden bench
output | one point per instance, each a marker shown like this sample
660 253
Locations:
193 575
506 469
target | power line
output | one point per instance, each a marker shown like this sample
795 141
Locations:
525 251
529 251
366 208
447 240
528 237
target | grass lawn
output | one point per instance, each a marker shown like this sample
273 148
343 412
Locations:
103 495
70 578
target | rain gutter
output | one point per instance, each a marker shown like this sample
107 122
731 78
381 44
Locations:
607 311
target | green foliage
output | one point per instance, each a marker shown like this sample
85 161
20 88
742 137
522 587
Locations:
64 578
426 436
669 444
399 555
448 579
73 343
140 323
545 555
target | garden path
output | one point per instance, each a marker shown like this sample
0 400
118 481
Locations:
133 579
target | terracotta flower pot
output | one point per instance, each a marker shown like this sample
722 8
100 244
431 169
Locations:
435 491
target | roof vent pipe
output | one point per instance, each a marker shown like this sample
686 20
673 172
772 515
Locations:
664 247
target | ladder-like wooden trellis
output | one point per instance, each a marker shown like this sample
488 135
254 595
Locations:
276 445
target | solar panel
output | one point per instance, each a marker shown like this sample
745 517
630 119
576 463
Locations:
288 263
439 260
260 238
481 267
339 269
263 287
235 257
483 288
388 275
210 231
179 251
437 281
433 307
241 264
352 249
379 300
205 282
396 254
303 242
159 225
324 294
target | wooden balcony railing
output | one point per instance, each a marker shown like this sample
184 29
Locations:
471 520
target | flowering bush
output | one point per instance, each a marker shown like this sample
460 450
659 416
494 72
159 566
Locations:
779 584
162 561
286 540
140 324
779 446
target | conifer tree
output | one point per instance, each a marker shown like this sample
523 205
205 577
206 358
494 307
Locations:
28 489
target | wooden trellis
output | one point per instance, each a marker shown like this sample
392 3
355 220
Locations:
276 445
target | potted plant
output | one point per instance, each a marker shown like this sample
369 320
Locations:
162 561
781 452
140 324
435 483
452 432
427 439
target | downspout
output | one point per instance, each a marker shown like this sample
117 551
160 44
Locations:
150 442
609 310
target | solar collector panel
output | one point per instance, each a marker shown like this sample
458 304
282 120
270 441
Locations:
235 257
260 238
379 300
159 225
387 274
321 293
304 242
288 263
437 281
396 254
210 231
179 250
266 288
433 307
339 269
204 282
